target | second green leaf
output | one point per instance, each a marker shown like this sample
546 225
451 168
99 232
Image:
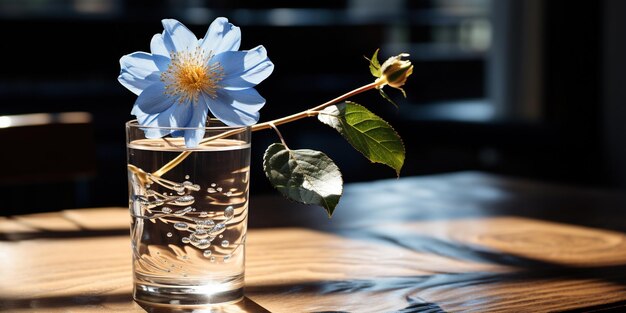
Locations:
367 133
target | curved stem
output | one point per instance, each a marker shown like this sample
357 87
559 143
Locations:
279 135
171 164
290 118
183 155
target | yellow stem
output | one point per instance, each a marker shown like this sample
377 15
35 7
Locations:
314 111
279 135
290 118
171 164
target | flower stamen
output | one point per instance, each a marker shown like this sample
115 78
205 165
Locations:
190 73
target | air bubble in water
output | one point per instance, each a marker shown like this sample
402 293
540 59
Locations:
211 190
228 194
183 211
226 258
186 176
179 188
166 210
184 200
201 224
207 253
212 259
191 186
181 226
213 184
225 243
201 233
209 222
217 229
185 240
201 243
219 189
229 212
169 234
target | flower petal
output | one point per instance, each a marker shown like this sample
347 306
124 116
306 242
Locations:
178 115
142 117
244 69
137 85
138 71
194 136
221 36
236 108
246 100
149 120
154 100
160 55
177 37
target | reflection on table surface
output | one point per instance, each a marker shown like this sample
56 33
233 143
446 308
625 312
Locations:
454 242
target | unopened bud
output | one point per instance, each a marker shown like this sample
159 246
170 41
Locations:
395 71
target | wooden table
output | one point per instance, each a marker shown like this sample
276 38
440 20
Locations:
455 242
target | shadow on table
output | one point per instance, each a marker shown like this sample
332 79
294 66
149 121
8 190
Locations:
67 301
62 234
410 287
449 196
245 305
117 302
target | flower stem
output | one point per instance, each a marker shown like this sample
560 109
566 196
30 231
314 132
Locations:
279 135
314 111
290 118
171 164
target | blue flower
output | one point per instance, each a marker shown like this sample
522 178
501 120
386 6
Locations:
183 78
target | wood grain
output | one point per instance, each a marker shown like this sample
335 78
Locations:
79 261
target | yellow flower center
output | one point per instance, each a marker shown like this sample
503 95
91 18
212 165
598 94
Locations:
190 73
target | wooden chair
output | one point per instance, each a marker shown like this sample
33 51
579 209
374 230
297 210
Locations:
47 161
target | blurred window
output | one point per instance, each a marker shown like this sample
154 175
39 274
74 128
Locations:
57 8
449 42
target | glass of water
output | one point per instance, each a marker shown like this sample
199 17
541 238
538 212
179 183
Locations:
189 212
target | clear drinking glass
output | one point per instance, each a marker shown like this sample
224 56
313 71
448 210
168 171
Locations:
189 209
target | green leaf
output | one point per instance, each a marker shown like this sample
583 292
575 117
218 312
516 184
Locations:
367 133
375 65
305 176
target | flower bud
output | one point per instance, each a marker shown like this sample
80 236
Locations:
395 71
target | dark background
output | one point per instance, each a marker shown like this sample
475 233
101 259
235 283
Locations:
520 87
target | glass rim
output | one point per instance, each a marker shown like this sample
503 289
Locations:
135 124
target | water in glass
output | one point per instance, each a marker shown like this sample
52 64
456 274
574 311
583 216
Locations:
188 226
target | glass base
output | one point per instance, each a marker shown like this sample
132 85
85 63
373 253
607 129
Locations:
187 296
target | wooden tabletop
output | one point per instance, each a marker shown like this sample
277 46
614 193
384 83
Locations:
467 241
